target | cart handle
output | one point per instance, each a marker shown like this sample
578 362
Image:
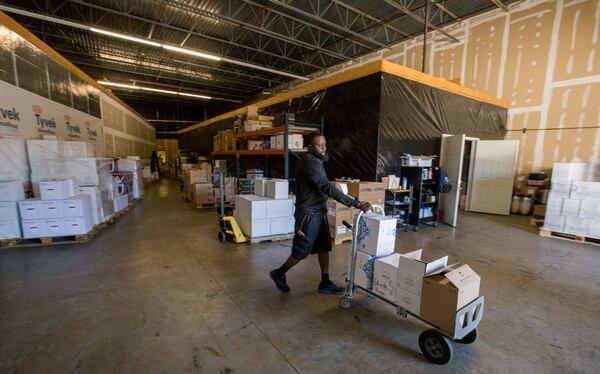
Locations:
348 226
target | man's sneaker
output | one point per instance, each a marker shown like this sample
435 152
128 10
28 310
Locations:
330 288
279 281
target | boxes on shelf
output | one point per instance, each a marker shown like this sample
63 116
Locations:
390 182
385 274
377 234
255 125
295 141
255 173
245 186
446 292
409 283
255 145
416 161
372 192
336 214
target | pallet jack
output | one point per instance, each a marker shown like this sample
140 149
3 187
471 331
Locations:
229 230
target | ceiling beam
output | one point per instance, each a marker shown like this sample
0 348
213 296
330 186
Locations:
500 5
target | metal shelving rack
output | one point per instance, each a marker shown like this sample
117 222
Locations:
396 205
420 185
289 127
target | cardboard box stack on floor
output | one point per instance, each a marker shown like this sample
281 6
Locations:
59 211
573 205
198 186
10 193
74 160
229 190
267 215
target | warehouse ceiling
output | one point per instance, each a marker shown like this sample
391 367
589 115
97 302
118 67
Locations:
229 50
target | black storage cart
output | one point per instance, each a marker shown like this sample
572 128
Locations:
424 182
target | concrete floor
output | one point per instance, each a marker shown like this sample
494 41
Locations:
158 292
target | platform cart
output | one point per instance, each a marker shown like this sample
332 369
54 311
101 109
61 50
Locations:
435 343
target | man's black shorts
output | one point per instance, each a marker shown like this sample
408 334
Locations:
316 238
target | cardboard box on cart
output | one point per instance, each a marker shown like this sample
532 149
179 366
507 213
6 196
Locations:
447 291
372 192
336 214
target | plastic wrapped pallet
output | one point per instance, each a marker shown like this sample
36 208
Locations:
13 160
134 166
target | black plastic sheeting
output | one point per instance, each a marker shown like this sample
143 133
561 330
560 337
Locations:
371 121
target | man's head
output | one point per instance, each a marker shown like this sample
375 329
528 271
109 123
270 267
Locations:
318 146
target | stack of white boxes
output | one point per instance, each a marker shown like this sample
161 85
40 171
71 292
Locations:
13 160
134 166
295 141
271 214
573 205
10 193
58 211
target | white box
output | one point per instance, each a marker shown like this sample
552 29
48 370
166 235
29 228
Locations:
9 211
590 209
411 270
377 235
13 160
31 209
96 202
594 172
78 206
281 225
120 203
554 221
259 186
38 151
33 228
251 206
277 188
363 275
52 209
280 208
570 207
554 202
408 300
585 190
10 229
57 189
11 191
274 143
255 144
54 227
570 171
295 141
576 226
254 228
561 187
594 228
77 225
385 274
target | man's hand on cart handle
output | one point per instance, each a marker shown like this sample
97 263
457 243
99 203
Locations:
364 206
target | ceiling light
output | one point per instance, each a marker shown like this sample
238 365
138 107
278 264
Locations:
106 83
194 95
127 37
157 90
191 52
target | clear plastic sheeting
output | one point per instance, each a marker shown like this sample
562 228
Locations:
13 160
134 166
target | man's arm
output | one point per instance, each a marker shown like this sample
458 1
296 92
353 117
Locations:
316 174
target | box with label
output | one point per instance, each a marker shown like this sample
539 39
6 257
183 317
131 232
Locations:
255 144
391 182
570 207
10 229
55 227
194 176
385 273
52 209
295 141
56 189
585 190
363 275
372 192
412 268
31 209
280 208
77 206
376 234
554 221
336 214
33 228
77 225
11 191
203 193
446 292
281 225
9 211
277 188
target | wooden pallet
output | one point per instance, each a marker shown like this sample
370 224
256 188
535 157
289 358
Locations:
72 239
272 238
206 206
573 238
536 221
338 241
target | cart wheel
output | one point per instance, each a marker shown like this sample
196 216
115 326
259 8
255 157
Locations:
222 236
469 338
415 228
345 302
436 347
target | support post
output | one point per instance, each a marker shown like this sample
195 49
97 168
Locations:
427 9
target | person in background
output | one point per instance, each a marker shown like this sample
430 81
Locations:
311 234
